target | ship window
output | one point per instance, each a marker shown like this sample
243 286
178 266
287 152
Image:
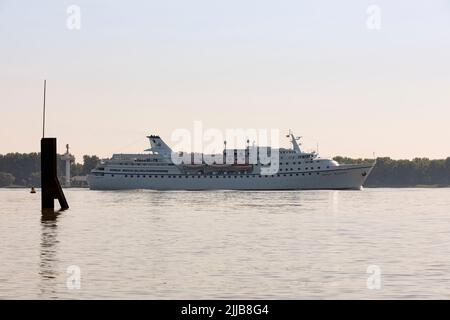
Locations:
294 162
303 174
278 175
131 176
310 173
292 169
318 168
138 176
126 176
284 175
290 175
328 167
112 175
296 174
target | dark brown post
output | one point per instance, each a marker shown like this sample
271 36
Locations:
51 189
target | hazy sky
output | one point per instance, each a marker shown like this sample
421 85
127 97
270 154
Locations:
140 67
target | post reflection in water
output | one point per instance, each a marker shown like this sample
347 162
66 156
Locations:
48 270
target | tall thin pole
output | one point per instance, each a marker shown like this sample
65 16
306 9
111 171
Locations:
43 115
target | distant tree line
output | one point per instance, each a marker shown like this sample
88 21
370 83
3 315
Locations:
24 169
405 173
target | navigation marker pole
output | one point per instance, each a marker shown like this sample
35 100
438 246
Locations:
51 189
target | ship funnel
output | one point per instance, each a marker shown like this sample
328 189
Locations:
157 145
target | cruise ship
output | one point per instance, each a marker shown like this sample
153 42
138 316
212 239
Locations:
252 168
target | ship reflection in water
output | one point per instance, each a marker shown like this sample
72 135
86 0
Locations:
227 244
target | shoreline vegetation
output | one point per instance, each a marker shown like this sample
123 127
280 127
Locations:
416 173
22 170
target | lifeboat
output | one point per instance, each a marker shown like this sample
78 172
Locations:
193 167
228 168
216 167
240 167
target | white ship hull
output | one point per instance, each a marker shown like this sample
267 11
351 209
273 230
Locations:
337 178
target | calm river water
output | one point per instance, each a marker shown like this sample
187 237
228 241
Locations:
376 243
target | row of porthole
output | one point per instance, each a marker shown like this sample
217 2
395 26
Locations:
306 168
171 164
300 162
202 176
287 163
144 164
298 157
291 169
